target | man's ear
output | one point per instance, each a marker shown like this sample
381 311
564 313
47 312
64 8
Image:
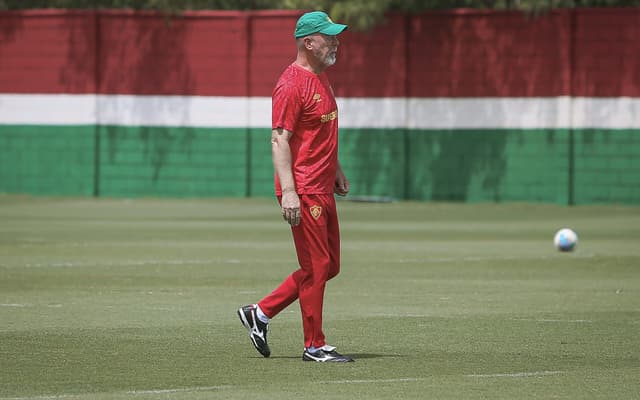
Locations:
308 43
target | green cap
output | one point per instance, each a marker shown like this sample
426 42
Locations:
317 22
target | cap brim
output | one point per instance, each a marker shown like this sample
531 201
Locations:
334 29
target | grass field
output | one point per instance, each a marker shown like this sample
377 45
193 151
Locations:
136 299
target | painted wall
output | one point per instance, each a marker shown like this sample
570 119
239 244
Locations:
458 105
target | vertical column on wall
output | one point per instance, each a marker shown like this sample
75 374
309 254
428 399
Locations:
96 124
247 20
406 193
571 138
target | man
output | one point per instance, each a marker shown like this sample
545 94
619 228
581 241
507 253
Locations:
304 143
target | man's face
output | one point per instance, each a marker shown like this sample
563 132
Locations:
325 48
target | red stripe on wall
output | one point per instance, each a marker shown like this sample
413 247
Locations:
472 54
272 49
150 54
607 53
47 52
373 64
460 53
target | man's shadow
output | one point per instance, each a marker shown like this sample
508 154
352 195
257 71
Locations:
355 356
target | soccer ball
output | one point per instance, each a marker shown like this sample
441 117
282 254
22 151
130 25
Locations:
565 239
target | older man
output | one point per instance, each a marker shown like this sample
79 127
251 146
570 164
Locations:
304 142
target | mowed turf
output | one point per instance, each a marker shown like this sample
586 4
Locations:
137 299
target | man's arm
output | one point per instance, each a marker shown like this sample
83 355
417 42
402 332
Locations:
281 156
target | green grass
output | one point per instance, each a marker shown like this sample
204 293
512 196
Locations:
136 299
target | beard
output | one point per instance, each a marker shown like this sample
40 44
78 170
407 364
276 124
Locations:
330 59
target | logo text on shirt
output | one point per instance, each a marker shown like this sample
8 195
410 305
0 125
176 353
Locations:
329 117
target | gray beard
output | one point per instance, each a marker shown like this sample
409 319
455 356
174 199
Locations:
330 59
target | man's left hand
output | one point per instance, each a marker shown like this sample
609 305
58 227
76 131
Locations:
341 186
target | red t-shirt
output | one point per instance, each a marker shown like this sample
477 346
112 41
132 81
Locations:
304 104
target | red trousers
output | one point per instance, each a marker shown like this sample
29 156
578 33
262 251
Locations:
317 241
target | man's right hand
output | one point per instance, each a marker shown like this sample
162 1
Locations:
291 207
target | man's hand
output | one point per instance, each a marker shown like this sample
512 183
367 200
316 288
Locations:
341 185
291 207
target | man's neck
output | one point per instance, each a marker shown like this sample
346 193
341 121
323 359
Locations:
310 64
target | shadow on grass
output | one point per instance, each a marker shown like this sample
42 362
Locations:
356 356
363 356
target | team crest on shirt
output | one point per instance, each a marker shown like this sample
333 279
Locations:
317 97
316 211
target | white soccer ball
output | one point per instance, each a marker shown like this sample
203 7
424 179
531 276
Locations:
565 239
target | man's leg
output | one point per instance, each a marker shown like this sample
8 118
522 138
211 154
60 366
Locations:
320 351
312 247
317 242
288 291
333 232
285 294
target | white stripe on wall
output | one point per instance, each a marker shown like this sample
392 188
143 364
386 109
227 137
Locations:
255 112
478 113
131 110
191 111
47 109
606 113
456 113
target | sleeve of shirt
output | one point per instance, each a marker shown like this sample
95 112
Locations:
286 106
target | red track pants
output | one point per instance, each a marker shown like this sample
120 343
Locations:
317 241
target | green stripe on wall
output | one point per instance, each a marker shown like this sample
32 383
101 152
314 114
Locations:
607 166
49 160
134 161
460 165
472 165
175 162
